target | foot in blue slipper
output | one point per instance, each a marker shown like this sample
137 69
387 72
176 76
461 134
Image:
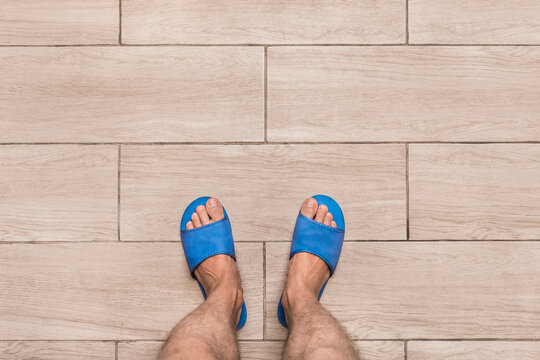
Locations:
315 250
209 249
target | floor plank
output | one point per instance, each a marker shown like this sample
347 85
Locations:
55 350
266 22
474 191
270 350
109 291
473 350
58 192
59 22
131 94
262 187
413 93
474 22
425 290
138 350
380 350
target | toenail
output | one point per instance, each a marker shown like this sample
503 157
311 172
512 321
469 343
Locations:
212 202
323 207
200 207
312 202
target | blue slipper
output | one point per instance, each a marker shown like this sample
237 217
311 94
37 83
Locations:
201 243
318 239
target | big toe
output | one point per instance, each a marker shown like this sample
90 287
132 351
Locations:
309 208
215 209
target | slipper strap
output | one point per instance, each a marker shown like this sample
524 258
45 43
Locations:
318 239
209 240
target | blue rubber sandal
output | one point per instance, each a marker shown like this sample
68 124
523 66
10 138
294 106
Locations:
318 239
201 243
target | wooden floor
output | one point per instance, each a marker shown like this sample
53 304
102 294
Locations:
422 118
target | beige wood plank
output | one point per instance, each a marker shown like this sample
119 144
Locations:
473 350
58 192
58 22
262 187
474 22
475 191
140 94
139 350
270 350
262 22
55 350
109 291
381 350
425 290
413 93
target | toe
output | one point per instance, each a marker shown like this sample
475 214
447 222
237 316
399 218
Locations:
214 209
328 219
189 225
196 220
203 215
333 224
321 213
309 208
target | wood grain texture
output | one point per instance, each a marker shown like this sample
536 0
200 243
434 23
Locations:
424 290
58 192
262 187
55 350
140 94
473 350
474 22
270 350
109 291
412 93
474 191
58 22
380 350
262 22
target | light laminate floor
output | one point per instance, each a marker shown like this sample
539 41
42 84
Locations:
422 118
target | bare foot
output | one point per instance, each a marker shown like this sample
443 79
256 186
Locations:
218 274
307 272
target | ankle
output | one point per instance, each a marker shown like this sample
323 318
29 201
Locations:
296 297
228 300
306 273
218 272
230 293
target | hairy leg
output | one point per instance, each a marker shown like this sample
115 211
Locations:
313 331
209 332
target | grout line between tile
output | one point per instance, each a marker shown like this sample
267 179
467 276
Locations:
426 340
119 22
118 193
276 143
406 22
405 344
275 45
65 340
407 190
116 350
265 94
264 291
